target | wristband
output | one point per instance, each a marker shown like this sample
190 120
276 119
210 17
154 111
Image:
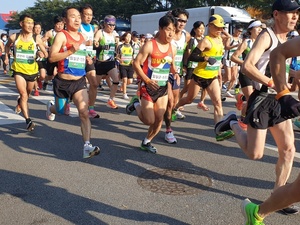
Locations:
270 83
147 81
282 93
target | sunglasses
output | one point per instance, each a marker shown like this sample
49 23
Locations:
111 25
181 20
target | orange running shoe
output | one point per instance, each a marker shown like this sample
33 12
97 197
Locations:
111 103
242 125
202 106
239 101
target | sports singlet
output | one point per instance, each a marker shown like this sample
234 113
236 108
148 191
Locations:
109 41
88 31
50 42
24 57
180 46
157 66
75 63
136 48
229 53
204 69
263 62
126 53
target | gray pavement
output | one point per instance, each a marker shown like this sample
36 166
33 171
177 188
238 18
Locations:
198 181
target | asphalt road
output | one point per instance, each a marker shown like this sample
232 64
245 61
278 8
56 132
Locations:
44 180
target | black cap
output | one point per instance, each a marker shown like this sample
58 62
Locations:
135 34
285 5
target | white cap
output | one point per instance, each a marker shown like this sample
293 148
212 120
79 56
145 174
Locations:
149 36
294 33
155 32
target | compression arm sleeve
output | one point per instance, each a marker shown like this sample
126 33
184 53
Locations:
196 56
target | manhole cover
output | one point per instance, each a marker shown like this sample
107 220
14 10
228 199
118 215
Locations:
175 181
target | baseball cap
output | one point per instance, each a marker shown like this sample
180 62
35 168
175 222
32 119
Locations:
149 36
217 20
294 33
135 34
285 5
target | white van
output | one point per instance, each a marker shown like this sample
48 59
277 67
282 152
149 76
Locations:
148 22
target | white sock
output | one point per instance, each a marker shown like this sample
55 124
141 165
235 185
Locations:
86 143
146 141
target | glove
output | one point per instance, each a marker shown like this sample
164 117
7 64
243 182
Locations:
290 107
211 61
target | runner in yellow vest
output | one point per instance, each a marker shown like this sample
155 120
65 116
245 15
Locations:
25 67
208 54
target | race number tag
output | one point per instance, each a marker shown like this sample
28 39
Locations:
161 76
77 60
25 56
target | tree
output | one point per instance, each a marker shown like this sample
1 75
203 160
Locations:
43 11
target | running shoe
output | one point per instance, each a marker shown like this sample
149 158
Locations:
224 135
223 94
40 84
202 106
67 109
242 125
90 151
173 116
125 96
45 85
130 107
36 93
249 210
229 95
169 137
30 125
179 115
111 104
148 147
224 124
100 87
290 210
50 116
239 101
237 89
18 109
93 114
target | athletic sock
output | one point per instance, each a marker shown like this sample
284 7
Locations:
146 141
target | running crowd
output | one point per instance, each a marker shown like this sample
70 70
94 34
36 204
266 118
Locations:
256 64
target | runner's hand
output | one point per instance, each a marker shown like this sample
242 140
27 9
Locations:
211 61
153 85
290 107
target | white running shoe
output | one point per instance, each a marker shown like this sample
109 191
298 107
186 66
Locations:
169 137
50 116
229 95
125 96
90 151
179 115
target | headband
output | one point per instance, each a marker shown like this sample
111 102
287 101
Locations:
110 20
256 23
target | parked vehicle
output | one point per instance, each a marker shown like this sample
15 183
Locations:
148 22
